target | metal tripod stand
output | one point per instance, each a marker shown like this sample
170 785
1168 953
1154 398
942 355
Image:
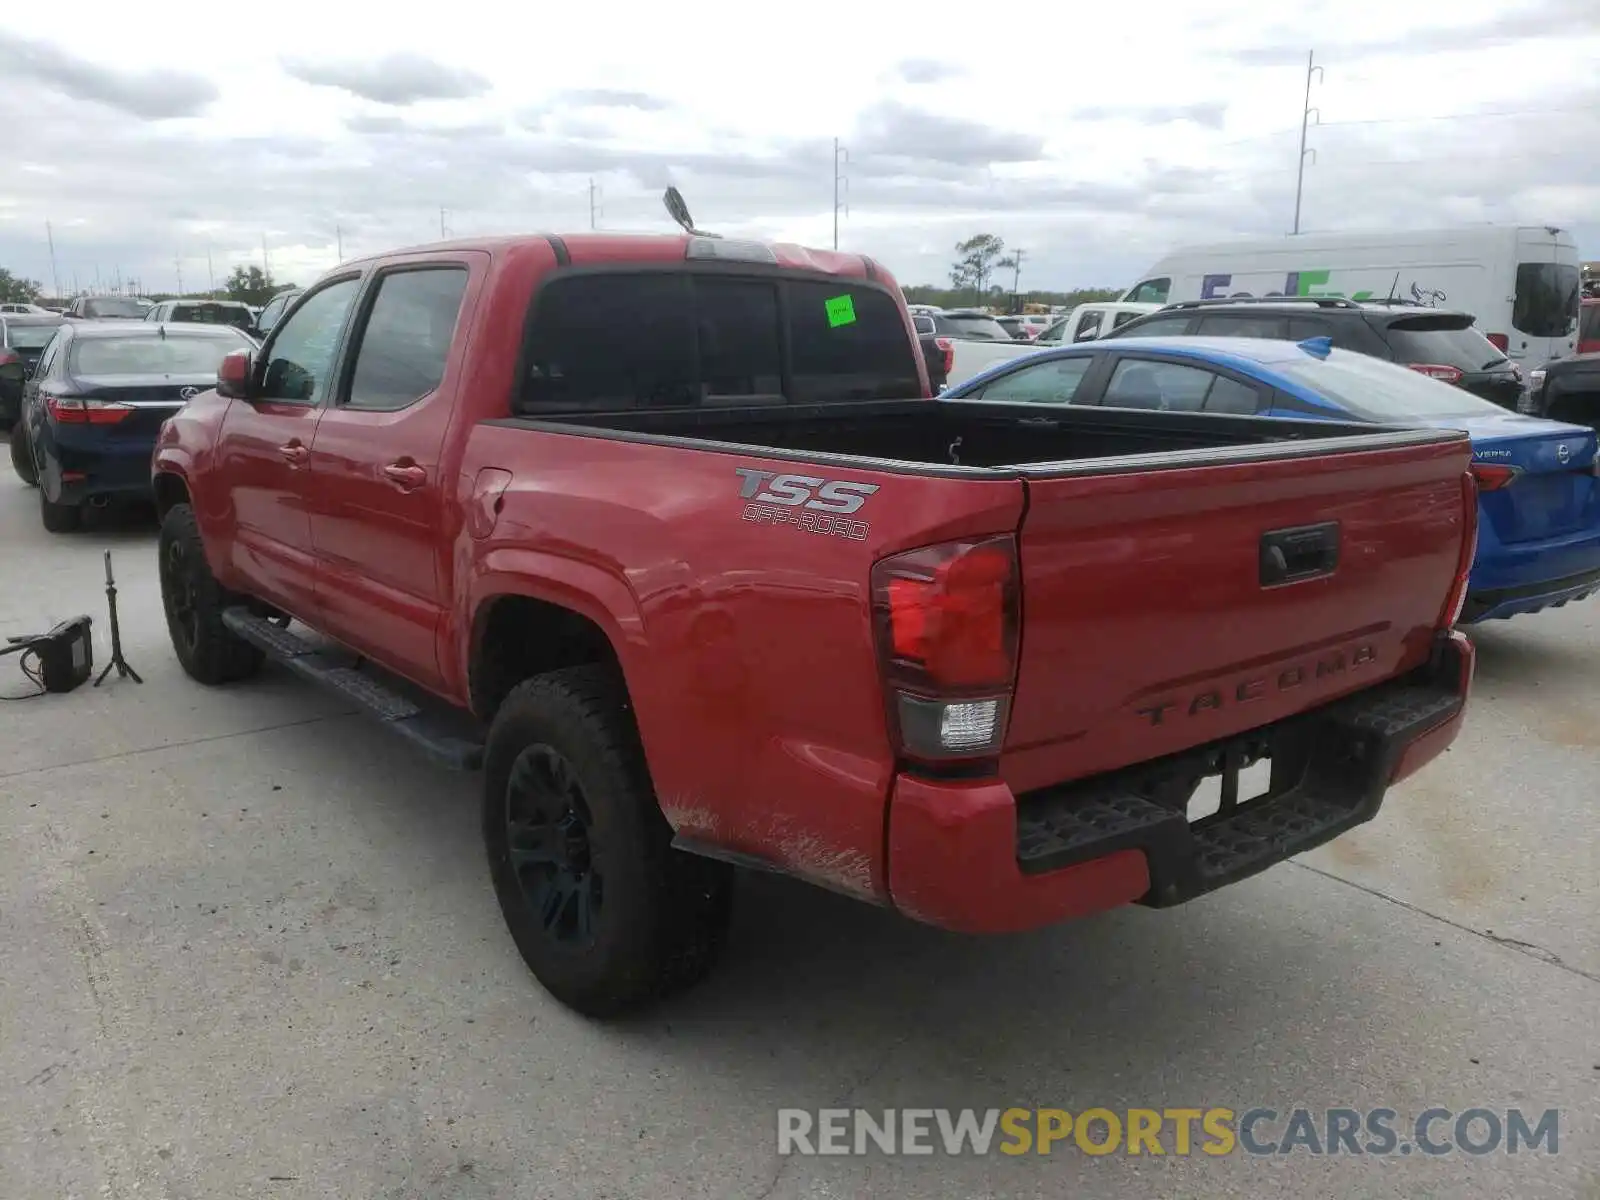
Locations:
124 671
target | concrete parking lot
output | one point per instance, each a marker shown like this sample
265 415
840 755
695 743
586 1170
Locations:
250 949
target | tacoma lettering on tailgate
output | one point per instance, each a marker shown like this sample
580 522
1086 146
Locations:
1258 687
807 502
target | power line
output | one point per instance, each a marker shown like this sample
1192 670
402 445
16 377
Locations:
1305 117
55 276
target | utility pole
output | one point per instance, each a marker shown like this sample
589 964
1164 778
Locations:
1016 274
1305 120
55 276
442 234
177 264
338 241
840 156
266 266
594 196
211 275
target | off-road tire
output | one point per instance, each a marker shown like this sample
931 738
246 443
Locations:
22 456
59 518
208 650
664 913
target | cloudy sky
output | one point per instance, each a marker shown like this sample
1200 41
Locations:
1095 137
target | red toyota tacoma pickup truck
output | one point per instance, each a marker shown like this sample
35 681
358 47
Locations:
728 588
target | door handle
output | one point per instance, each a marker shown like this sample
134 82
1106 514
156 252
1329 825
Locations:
294 453
407 476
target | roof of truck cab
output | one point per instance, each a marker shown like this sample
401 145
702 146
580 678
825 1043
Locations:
585 249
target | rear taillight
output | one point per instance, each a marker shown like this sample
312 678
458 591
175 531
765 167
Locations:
1437 371
8 358
1491 477
1499 341
1457 598
947 347
70 410
946 620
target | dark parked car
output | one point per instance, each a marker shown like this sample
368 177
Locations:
938 330
22 340
1440 343
204 312
106 308
1566 390
96 402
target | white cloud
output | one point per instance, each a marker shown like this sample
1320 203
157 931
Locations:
1095 143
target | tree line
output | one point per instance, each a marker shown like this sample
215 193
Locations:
978 277
250 285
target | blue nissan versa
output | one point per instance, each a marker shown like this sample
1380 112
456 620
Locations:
97 400
1538 480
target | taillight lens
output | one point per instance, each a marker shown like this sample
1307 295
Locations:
946 619
947 347
1437 371
1491 477
1457 598
71 410
1499 341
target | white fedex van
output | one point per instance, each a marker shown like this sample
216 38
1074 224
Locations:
1520 282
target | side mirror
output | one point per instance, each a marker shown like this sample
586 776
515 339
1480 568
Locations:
233 375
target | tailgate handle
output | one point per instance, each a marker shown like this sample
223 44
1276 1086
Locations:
1305 552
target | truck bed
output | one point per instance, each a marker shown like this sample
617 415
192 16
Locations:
974 436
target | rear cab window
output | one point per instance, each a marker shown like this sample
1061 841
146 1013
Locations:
712 339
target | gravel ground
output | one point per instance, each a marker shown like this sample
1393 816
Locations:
250 949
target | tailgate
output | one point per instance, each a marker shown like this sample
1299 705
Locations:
1154 616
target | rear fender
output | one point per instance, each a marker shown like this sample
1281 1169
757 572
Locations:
587 590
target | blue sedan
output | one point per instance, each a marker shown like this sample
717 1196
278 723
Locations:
1538 480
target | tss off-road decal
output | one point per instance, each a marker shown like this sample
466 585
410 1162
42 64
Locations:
807 502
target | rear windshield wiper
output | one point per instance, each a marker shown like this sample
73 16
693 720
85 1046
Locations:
1494 362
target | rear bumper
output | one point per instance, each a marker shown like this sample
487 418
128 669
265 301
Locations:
76 469
1511 578
971 856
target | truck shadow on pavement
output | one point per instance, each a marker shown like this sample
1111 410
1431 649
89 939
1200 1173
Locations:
829 994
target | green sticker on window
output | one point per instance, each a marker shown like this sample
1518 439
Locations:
841 311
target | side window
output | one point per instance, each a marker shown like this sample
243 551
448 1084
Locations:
1052 335
1231 396
1139 383
1122 318
923 324
1244 325
300 357
1054 382
48 358
579 359
848 343
740 354
1301 328
1173 326
1152 291
1088 327
406 338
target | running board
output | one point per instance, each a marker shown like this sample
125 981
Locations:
439 732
